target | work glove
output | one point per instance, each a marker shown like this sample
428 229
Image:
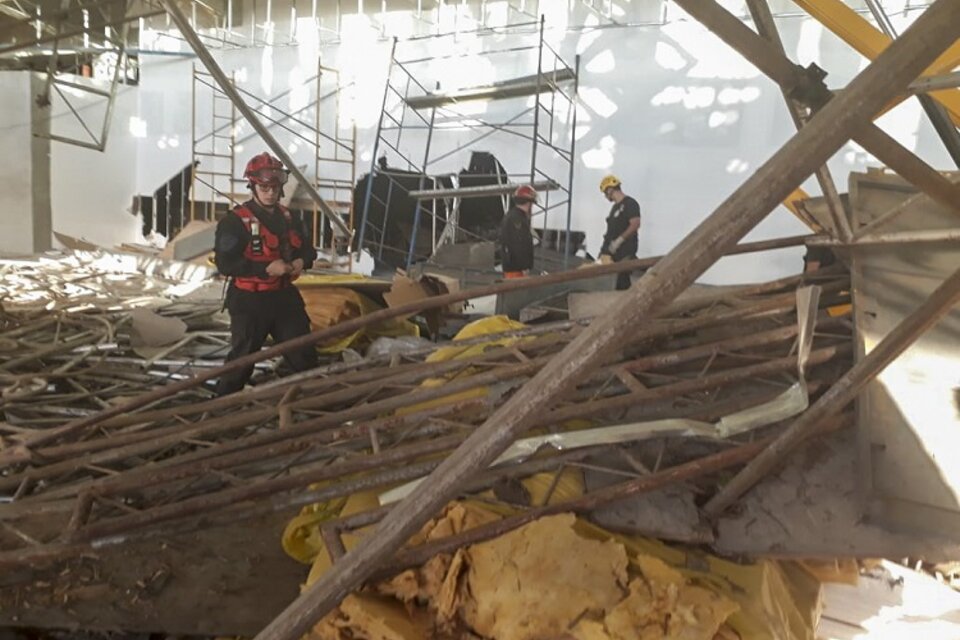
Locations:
615 244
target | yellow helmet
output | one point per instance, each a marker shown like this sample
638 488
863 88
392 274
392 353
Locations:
609 181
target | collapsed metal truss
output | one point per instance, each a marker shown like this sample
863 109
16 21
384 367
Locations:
374 423
86 83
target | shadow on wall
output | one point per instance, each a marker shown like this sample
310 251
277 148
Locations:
910 413
167 210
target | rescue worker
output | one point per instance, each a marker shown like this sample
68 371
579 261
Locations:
620 240
516 237
263 249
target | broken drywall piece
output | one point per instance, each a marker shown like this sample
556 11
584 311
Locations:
669 513
150 329
406 289
75 244
194 240
470 255
890 601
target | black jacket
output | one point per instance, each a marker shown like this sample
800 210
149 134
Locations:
617 222
516 241
232 238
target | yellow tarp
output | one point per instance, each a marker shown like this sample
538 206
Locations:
485 326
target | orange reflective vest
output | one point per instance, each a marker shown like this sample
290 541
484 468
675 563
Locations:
265 247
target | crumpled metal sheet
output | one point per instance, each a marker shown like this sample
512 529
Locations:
794 400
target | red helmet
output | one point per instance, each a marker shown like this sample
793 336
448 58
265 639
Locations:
525 193
264 169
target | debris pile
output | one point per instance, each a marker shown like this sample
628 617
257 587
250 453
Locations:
710 371
85 330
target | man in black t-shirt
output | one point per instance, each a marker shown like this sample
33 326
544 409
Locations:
620 240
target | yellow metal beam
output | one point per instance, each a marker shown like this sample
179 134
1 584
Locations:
790 202
869 41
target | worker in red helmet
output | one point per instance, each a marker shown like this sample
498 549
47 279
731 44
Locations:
620 242
262 248
516 236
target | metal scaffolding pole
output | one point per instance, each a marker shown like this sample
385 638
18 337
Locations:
183 24
766 27
826 132
368 193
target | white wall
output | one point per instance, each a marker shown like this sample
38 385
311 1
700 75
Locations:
671 110
162 122
91 192
16 196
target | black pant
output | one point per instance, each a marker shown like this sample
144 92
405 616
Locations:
623 278
255 315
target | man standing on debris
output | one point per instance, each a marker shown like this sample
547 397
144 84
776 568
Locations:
263 249
516 237
620 241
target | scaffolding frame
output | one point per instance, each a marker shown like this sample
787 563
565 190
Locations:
335 171
110 37
545 87
214 146
333 156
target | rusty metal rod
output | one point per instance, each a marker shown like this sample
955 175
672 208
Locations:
350 377
780 302
184 468
720 379
277 503
17 454
260 508
230 91
243 419
409 374
143 477
296 480
229 496
267 445
692 470
57 452
767 28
